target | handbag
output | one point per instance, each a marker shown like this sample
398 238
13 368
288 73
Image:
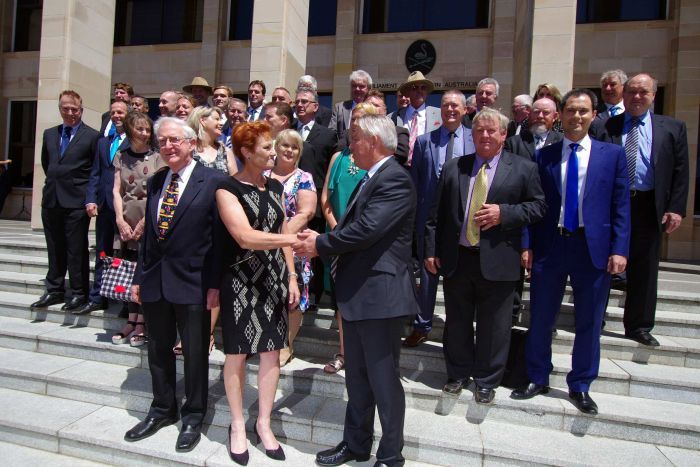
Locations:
117 276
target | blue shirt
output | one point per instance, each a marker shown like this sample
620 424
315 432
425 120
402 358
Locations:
442 148
644 178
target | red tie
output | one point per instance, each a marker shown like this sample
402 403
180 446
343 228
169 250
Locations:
412 137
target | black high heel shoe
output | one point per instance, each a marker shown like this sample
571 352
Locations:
240 458
276 454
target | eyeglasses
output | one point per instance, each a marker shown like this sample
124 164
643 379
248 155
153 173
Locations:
71 110
303 102
173 140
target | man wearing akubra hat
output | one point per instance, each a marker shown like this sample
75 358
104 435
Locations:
200 89
417 117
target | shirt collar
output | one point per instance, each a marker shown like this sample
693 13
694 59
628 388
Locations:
410 110
373 170
185 172
585 143
643 120
492 163
444 132
73 128
309 125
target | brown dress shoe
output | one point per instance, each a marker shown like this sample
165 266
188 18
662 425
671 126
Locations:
415 339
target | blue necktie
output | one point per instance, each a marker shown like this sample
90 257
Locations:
65 139
112 131
614 110
571 202
113 147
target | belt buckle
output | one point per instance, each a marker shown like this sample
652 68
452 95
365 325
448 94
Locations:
564 232
633 193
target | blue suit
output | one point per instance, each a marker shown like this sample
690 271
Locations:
99 192
425 172
582 256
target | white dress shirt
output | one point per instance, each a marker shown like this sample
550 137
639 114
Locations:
305 128
184 174
420 122
583 154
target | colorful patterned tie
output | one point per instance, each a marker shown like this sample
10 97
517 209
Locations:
167 207
413 134
481 185
631 149
571 201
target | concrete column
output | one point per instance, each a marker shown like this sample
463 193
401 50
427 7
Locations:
77 40
502 50
346 20
682 101
213 24
278 45
521 48
553 38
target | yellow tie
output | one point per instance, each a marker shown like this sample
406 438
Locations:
478 199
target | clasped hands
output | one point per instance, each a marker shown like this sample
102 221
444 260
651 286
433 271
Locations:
305 245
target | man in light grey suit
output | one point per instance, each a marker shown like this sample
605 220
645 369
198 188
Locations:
360 84
370 253
418 117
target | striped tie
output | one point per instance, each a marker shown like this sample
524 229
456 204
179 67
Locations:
413 134
478 199
631 149
167 207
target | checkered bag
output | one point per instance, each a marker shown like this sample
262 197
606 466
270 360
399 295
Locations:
117 275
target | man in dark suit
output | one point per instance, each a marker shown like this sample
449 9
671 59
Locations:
360 84
486 95
67 153
585 236
612 83
418 118
323 114
371 251
472 239
99 201
539 134
657 165
521 108
122 92
433 150
177 280
256 99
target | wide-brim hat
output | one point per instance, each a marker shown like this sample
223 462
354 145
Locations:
416 78
198 81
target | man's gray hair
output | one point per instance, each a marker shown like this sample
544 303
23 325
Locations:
307 81
471 99
618 74
380 126
309 90
489 80
187 130
523 99
361 75
455 92
493 115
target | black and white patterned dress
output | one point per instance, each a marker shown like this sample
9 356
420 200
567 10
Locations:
254 290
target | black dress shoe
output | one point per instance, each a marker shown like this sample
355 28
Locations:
643 337
454 386
484 395
188 438
529 391
276 454
89 307
240 458
339 455
48 299
583 402
74 304
384 464
148 427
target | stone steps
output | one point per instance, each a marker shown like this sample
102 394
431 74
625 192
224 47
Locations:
472 436
14 454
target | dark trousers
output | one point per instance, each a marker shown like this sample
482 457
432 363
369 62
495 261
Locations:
426 300
372 379
643 265
467 293
569 257
66 232
164 320
105 226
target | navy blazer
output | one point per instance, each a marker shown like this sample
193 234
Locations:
524 143
181 268
374 278
669 150
424 172
101 184
67 177
515 188
606 203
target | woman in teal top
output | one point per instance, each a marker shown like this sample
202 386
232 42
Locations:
341 180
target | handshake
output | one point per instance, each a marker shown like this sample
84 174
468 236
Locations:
305 244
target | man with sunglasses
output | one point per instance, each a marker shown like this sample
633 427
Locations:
418 117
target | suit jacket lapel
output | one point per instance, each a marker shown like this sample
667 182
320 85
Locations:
355 197
78 133
466 164
593 169
313 132
656 130
194 186
502 171
435 151
154 194
347 111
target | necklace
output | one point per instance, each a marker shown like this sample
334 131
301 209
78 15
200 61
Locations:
352 168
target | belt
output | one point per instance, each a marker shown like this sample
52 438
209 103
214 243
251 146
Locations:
568 233
473 250
640 193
